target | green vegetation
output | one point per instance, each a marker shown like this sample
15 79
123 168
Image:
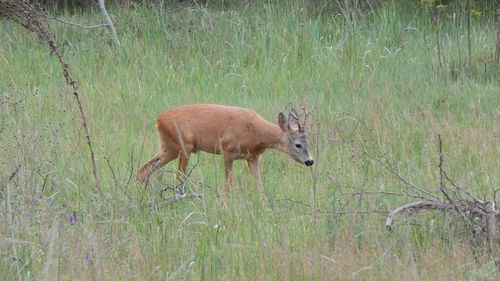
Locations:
370 77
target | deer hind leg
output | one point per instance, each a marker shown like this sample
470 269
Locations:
160 159
183 162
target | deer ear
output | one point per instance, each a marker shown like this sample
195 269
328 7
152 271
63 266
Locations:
282 122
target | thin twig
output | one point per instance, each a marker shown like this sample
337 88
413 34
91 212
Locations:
457 33
108 162
45 177
396 174
131 168
76 24
457 186
442 186
381 193
318 211
177 197
435 22
109 22
14 173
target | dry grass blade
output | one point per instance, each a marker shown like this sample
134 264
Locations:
54 236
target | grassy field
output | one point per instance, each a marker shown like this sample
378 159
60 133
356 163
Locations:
371 79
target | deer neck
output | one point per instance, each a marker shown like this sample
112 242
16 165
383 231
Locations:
276 138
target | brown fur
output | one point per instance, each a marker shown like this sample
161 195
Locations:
235 132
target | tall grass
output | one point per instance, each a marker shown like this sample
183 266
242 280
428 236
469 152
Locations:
370 77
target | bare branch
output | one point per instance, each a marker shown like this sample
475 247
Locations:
396 174
109 22
178 196
469 46
441 171
76 24
459 188
381 193
14 173
108 162
430 205
293 202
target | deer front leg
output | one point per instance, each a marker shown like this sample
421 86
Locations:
228 166
253 164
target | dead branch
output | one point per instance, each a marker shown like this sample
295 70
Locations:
481 215
108 162
379 193
398 176
178 197
430 205
294 202
107 19
76 24
469 45
14 173
441 171
180 188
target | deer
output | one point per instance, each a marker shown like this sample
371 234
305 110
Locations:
236 133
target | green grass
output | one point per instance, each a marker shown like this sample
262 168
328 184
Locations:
378 70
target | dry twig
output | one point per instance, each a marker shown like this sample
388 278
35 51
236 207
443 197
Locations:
76 24
109 22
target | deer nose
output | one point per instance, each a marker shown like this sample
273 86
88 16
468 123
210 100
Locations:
309 162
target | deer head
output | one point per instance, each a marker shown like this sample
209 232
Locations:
297 142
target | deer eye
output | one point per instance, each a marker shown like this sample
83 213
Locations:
298 146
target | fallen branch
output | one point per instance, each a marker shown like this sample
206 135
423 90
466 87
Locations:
431 205
481 215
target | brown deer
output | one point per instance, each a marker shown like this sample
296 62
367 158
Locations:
235 132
